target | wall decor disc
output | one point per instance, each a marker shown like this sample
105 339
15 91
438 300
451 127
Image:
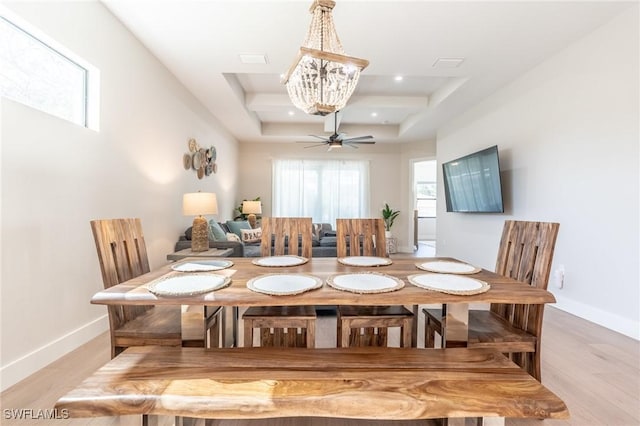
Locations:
201 172
197 161
186 161
193 145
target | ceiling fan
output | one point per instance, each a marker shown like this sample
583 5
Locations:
337 140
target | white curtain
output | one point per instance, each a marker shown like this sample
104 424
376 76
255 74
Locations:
321 189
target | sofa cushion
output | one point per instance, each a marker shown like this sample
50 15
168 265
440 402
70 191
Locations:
216 233
236 225
328 242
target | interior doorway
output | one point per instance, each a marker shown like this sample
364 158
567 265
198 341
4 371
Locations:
425 186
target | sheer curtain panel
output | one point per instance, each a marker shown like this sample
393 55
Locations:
321 189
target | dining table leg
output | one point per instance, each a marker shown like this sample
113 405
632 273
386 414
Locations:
456 317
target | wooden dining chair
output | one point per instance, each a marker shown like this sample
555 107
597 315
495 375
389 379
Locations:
368 325
123 255
283 326
525 254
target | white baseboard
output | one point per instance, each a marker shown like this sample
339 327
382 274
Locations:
17 370
614 322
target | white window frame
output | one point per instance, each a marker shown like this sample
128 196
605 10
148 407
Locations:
91 75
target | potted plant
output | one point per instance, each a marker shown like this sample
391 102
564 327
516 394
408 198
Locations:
389 215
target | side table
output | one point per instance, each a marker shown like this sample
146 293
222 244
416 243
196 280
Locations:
212 252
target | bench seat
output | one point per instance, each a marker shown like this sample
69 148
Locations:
362 383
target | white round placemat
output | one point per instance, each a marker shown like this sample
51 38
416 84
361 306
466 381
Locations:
365 282
448 267
202 265
284 284
280 261
365 261
448 283
188 285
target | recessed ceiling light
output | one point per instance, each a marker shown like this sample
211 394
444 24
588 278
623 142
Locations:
291 113
374 114
398 78
250 58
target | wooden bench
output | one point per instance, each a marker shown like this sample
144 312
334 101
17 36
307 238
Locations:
362 383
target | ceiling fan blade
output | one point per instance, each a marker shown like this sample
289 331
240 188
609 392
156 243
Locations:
314 145
319 137
361 142
357 138
349 145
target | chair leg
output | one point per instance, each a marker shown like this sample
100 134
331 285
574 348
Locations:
248 333
405 335
311 334
429 334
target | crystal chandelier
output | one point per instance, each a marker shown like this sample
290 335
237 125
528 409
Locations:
322 78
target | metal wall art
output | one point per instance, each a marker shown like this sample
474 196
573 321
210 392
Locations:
201 160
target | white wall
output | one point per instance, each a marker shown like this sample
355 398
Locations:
389 175
567 134
57 176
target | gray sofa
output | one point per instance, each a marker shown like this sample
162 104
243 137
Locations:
324 244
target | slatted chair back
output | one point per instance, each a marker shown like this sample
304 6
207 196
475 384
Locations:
525 254
360 237
286 235
123 255
367 325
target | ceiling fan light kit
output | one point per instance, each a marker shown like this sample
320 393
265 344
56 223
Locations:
338 140
322 78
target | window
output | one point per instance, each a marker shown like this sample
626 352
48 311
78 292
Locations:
40 76
321 189
426 199
424 178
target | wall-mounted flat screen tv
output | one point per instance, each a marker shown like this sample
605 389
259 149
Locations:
472 183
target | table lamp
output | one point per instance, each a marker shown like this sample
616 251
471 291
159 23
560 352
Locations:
251 208
198 204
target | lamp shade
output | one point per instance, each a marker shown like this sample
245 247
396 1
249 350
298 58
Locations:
249 207
199 203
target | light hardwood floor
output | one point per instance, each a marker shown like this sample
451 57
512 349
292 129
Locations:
594 370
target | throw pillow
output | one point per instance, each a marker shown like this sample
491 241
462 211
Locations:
251 235
233 237
236 225
317 229
216 233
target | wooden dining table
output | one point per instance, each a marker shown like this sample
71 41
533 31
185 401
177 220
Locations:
237 294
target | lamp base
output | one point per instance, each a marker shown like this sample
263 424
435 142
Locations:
200 235
251 218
